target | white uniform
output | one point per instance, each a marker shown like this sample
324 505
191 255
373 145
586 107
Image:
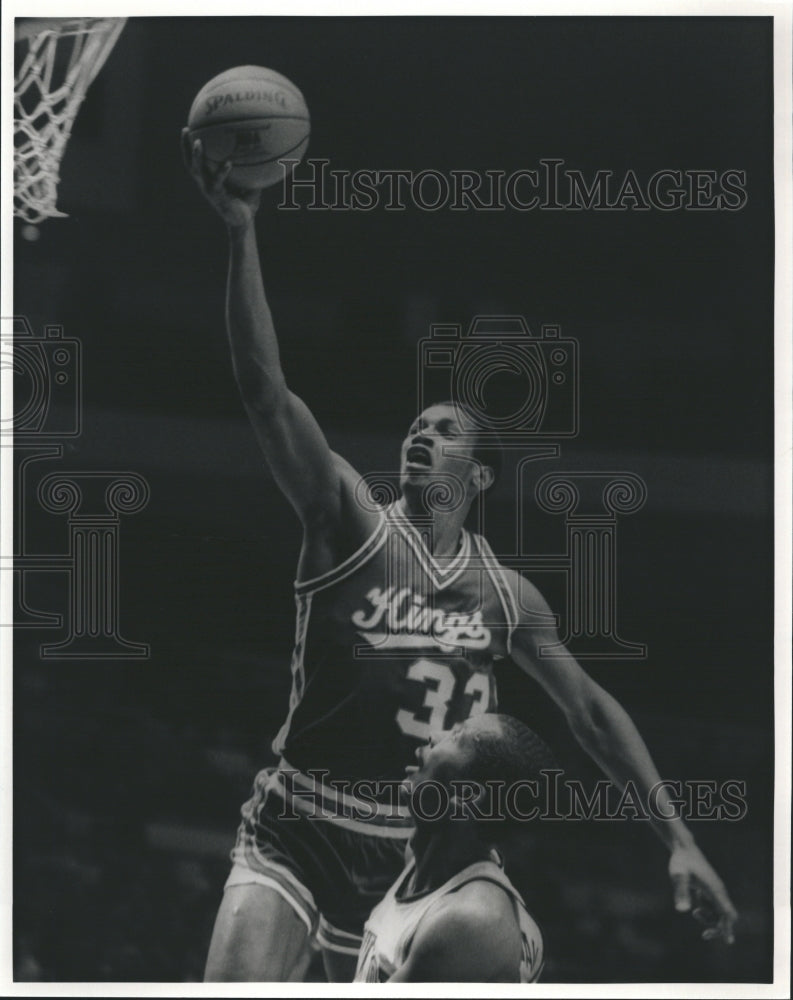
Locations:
389 931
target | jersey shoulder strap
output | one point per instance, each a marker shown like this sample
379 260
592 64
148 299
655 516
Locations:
498 577
352 563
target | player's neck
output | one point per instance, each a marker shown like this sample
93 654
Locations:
442 528
441 850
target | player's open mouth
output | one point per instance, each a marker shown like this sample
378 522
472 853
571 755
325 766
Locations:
419 456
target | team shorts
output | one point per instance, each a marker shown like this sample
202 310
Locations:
332 872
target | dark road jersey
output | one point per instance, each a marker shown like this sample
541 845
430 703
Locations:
389 647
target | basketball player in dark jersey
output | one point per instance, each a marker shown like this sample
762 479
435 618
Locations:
400 615
453 915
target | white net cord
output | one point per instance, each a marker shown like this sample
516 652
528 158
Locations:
59 65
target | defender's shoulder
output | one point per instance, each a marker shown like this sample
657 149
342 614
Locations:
473 911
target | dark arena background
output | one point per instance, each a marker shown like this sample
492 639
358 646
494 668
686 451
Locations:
129 770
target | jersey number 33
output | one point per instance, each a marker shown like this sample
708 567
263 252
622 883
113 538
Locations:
440 686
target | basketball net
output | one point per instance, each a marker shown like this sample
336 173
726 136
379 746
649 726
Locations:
61 58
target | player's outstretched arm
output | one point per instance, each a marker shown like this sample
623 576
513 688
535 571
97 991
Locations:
294 445
605 730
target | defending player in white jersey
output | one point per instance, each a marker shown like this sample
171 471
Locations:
453 915
414 623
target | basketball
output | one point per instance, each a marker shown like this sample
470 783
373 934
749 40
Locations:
253 117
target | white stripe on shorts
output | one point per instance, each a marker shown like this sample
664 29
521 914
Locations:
334 939
296 894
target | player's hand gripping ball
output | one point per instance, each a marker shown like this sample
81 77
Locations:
251 117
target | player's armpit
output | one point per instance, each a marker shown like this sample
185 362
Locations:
310 475
332 535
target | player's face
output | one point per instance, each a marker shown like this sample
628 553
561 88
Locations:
448 756
437 444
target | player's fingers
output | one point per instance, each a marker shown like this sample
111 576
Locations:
197 162
203 171
187 152
727 924
722 903
704 915
716 924
682 892
727 931
217 182
714 907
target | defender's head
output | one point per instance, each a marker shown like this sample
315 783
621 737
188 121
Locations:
486 751
446 443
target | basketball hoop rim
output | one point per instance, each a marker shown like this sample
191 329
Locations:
29 27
